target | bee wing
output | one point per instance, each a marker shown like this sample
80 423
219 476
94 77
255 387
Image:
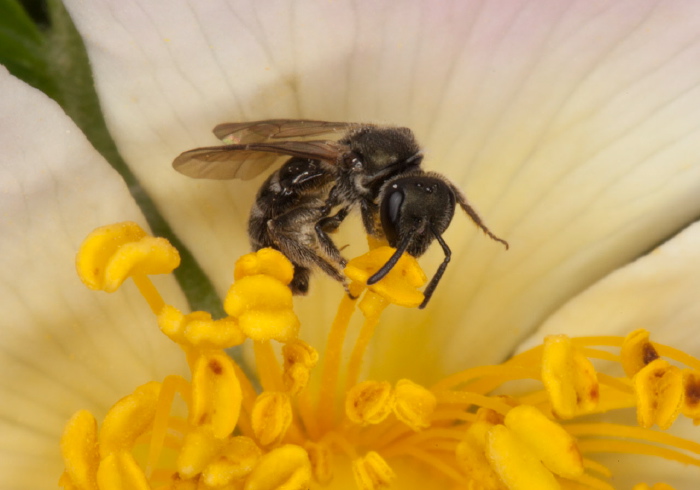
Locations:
248 161
276 129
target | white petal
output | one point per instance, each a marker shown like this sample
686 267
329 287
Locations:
571 125
658 292
62 347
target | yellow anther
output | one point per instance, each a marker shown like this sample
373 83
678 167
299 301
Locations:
555 447
198 450
372 472
216 394
413 404
235 461
470 454
515 464
656 486
691 395
372 304
659 390
399 286
284 468
369 402
112 253
197 329
79 451
321 459
266 261
271 417
569 378
299 358
636 352
128 419
119 471
263 306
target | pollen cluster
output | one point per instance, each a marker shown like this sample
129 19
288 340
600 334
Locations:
220 429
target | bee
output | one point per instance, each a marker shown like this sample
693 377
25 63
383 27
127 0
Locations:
374 168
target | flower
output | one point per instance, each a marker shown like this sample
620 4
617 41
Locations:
569 125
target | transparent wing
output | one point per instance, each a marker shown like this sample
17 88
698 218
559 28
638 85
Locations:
277 129
248 161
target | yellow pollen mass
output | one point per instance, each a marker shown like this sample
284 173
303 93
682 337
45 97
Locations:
659 388
569 377
637 351
369 402
399 286
413 404
302 416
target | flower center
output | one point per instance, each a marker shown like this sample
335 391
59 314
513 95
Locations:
217 431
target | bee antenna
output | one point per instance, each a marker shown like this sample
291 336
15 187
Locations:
471 212
428 292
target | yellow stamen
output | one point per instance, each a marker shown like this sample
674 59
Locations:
321 459
332 359
656 486
128 419
372 305
216 394
471 455
637 351
268 368
413 404
553 445
235 461
112 253
372 472
263 307
691 395
659 388
271 417
299 358
198 449
171 385
284 468
119 471
79 451
369 402
286 438
515 464
399 286
569 378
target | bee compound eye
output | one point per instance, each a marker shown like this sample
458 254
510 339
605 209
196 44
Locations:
390 215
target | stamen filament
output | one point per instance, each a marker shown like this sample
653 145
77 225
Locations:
434 462
331 361
496 375
590 481
268 367
623 431
599 354
358 352
149 293
171 384
464 398
630 447
596 467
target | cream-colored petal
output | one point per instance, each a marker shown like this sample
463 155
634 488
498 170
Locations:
658 292
62 347
571 125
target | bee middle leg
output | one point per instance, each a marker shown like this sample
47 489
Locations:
294 234
327 225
